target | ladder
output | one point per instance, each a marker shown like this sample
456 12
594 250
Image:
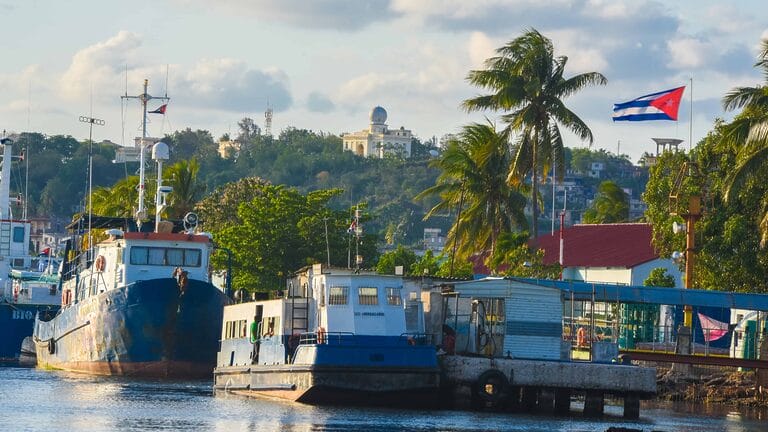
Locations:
5 238
299 315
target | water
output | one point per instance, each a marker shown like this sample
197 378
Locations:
39 400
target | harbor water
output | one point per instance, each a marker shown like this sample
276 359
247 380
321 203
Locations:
43 400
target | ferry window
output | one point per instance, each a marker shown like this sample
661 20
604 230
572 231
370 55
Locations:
393 297
165 256
156 256
18 234
175 257
191 257
138 255
368 296
337 295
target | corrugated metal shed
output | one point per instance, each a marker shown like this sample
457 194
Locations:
654 295
534 315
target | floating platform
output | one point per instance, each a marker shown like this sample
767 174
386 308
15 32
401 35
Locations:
546 386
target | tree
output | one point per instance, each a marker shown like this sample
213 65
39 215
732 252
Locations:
275 230
514 257
611 205
473 182
527 84
248 129
398 257
182 176
659 278
749 132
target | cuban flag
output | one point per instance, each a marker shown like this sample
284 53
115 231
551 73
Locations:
655 106
160 110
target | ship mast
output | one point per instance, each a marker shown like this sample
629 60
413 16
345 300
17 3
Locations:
141 212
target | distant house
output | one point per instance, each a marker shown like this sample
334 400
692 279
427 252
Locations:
608 253
378 140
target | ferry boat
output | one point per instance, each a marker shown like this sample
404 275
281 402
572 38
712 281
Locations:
336 336
139 303
26 288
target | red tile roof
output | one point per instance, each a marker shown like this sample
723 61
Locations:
605 245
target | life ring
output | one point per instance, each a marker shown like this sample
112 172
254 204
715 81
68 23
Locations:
321 335
411 341
101 263
51 346
490 386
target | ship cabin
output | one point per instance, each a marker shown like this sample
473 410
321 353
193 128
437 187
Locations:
128 257
335 317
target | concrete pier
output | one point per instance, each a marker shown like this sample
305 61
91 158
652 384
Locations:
547 386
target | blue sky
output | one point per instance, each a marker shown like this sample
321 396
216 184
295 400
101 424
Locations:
324 64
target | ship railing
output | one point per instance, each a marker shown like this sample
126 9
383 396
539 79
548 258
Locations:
327 338
417 339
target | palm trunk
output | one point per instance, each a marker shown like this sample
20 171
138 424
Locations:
535 186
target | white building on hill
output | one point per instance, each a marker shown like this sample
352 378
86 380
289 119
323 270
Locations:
378 140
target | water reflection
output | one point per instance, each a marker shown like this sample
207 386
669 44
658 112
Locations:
47 400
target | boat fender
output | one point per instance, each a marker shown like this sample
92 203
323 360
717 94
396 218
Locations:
15 293
320 335
490 386
101 263
51 346
182 279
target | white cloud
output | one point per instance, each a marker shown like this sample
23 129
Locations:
480 47
689 53
97 66
230 84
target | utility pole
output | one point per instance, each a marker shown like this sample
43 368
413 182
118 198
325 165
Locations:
99 122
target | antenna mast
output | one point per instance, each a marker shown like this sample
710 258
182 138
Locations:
145 97
268 120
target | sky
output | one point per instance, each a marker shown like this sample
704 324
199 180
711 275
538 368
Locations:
324 64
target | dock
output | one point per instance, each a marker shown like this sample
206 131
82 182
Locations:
544 386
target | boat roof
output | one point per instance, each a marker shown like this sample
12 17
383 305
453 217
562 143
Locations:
127 224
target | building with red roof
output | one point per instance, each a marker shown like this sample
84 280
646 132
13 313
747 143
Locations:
609 253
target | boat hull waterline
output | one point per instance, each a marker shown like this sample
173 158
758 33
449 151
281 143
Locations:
148 328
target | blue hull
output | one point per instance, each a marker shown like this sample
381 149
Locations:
16 323
144 329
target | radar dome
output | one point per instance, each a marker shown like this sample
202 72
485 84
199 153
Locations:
378 115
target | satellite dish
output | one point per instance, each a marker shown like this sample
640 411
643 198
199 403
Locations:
190 221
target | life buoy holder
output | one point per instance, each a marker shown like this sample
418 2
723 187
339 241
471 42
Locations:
100 264
321 335
490 386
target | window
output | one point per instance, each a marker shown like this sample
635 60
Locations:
18 234
393 297
337 295
368 296
173 257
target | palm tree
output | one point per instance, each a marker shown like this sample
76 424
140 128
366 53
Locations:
749 134
182 176
527 84
474 180
611 205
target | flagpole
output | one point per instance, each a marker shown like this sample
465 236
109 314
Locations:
690 122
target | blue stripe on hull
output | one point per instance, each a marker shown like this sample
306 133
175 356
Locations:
146 322
16 323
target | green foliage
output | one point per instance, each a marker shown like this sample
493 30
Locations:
514 257
473 183
274 230
611 205
659 278
728 253
428 264
525 80
398 257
